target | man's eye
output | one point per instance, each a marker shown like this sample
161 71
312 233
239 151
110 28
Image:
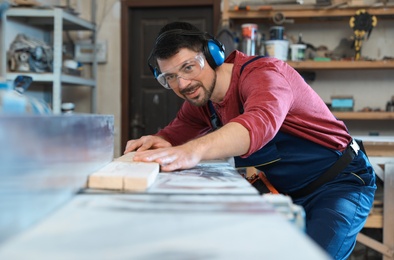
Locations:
188 68
170 77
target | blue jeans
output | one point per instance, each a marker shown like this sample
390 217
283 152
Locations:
337 211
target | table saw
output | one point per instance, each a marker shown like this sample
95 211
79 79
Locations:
191 214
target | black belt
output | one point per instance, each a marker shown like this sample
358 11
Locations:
343 161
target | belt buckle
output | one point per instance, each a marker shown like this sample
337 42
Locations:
355 147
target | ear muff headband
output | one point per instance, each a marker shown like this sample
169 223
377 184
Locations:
213 50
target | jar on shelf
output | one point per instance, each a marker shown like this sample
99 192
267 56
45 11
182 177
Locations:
249 38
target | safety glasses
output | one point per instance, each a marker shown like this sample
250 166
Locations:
188 70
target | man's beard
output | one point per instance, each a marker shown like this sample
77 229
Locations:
207 93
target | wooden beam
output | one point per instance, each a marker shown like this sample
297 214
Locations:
375 245
124 174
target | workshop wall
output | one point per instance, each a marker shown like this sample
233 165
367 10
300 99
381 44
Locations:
108 74
370 88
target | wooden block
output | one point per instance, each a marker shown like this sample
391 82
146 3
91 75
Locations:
109 177
140 176
124 174
128 157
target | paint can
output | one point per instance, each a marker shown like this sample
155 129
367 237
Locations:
276 32
249 38
277 48
297 52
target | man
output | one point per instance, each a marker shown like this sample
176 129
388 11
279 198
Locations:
265 115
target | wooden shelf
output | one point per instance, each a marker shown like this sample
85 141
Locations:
294 11
381 146
45 18
364 115
321 65
51 22
50 78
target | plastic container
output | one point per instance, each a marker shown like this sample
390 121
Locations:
276 32
297 52
249 38
277 48
68 108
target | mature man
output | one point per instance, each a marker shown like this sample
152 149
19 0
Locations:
260 111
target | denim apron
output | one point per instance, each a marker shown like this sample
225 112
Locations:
337 210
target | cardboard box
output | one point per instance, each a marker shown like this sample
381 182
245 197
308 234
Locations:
342 103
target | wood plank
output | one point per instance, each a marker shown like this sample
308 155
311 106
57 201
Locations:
374 244
299 11
321 65
378 146
140 176
374 220
364 115
128 157
383 150
124 174
109 177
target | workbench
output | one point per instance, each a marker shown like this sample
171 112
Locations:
380 150
209 212
190 214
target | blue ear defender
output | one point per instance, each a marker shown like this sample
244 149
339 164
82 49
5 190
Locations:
156 72
216 50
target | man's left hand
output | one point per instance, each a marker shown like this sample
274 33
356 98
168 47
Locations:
171 159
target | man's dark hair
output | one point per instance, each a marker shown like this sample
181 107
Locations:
175 36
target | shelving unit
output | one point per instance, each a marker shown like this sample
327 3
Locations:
52 21
364 115
302 14
379 148
323 65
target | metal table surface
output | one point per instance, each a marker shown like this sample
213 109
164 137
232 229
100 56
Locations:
179 217
98 226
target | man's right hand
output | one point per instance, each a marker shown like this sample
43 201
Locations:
145 143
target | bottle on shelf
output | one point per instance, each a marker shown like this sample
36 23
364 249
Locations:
249 38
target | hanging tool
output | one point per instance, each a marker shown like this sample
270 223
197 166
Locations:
279 18
362 23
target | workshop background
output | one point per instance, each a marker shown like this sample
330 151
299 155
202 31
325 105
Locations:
357 89
370 89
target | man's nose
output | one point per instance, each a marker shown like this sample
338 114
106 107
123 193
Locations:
182 83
